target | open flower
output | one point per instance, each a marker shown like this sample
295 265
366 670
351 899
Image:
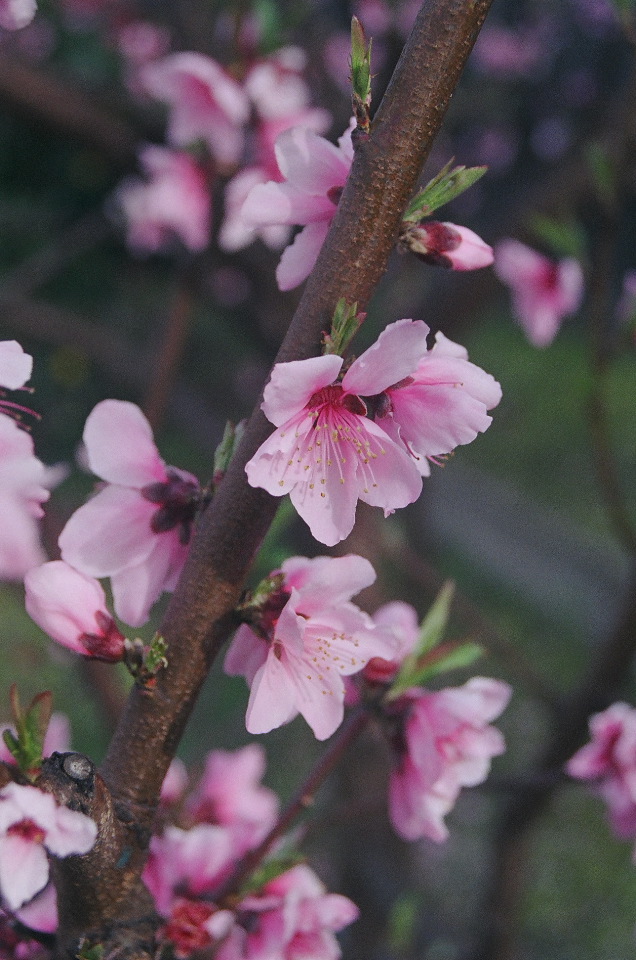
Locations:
310 637
175 200
367 436
608 762
444 743
205 103
31 823
543 291
291 918
136 529
315 172
71 608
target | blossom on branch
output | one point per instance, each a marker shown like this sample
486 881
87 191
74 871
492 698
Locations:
31 823
443 743
71 608
174 201
309 637
543 291
608 763
205 103
368 435
315 172
447 245
137 528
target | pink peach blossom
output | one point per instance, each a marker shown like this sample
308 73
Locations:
190 862
369 435
136 529
315 172
15 14
306 647
31 823
445 744
608 762
174 201
448 245
205 103
543 291
24 483
230 794
71 608
441 405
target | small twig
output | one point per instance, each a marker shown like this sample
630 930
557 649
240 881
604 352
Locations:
165 367
304 798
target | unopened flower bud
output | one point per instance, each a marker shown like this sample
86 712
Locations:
447 245
71 608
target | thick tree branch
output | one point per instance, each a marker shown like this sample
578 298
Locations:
383 176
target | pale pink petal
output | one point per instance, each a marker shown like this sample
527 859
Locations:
64 603
16 14
272 700
110 533
15 365
24 870
41 913
291 386
71 833
284 203
246 654
327 581
310 162
137 586
120 446
393 356
299 258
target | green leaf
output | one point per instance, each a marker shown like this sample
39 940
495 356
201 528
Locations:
431 633
271 869
344 326
455 657
360 63
27 744
563 239
449 183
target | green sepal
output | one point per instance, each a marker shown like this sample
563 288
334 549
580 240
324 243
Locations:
360 64
344 326
88 951
27 744
269 870
404 917
449 183
432 631
224 452
563 239
144 661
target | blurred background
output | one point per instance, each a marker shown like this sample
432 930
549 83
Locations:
534 521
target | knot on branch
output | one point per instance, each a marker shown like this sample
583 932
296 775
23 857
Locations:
101 898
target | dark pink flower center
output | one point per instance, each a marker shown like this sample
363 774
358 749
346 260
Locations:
27 830
178 500
335 396
185 928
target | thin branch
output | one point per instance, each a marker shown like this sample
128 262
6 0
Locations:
354 256
304 797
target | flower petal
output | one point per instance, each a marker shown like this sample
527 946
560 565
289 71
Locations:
393 356
299 257
120 446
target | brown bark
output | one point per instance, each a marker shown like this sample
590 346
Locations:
200 616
